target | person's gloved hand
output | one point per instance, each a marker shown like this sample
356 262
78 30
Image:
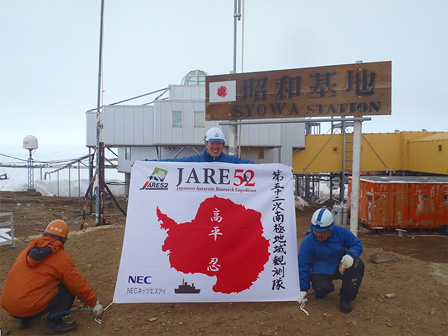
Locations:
347 260
98 310
302 296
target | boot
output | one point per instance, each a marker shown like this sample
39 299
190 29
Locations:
54 325
23 323
346 306
320 295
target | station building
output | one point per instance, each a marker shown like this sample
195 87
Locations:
175 127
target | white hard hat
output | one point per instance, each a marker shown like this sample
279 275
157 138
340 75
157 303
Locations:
215 134
322 220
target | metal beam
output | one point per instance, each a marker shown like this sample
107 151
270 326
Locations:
291 121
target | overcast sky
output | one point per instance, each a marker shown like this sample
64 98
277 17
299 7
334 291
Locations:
49 54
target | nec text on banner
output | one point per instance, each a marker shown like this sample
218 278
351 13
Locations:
209 232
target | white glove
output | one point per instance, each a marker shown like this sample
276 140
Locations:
347 260
301 298
98 310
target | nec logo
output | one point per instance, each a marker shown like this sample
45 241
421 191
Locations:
140 279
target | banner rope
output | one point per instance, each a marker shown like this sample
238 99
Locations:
99 320
302 307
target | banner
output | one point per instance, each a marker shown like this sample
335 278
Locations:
209 232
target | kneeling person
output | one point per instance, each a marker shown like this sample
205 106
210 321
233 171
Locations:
330 252
44 280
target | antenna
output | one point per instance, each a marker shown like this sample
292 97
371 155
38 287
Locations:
30 143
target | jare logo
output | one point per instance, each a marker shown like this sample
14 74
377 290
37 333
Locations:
156 180
210 176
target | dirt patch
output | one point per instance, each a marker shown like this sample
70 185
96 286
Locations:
407 295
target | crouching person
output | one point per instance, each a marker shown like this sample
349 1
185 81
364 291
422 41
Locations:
44 280
329 252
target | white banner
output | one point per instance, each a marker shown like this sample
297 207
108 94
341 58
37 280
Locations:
222 91
209 232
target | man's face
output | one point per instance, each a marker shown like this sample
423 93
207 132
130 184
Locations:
215 148
321 235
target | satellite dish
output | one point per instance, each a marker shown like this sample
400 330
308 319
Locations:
30 142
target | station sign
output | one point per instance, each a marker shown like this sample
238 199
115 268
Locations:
359 89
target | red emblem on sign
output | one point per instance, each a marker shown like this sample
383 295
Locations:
222 91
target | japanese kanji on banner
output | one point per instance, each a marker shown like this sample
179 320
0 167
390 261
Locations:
209 232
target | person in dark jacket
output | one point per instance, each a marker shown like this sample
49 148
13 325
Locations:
215 141
330 252
44 280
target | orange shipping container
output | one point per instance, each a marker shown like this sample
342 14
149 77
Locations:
391 202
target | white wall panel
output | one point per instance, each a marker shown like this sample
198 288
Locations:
148 128
274 135
254 135
188 122
137 154
157 121
198 135
264 135
165 123
186 93
202 94
108 131
199 106
128 126
90 129
177 134
137 122
176 106
119 126
196 92
177 91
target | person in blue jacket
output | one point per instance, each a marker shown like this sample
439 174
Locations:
330 252
215 141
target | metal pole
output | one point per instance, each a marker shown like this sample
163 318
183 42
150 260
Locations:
344 158
242 37
69 182
99 149
79 181
356 170
234 129
235 19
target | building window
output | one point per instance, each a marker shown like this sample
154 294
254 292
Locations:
127 153
177 119
440 148
199 119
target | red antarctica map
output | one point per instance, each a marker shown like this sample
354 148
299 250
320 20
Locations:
223 240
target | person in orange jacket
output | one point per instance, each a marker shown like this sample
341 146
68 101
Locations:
44 280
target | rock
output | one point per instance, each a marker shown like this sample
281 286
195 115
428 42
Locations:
378 258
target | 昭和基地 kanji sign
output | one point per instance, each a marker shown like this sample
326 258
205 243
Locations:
359 89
